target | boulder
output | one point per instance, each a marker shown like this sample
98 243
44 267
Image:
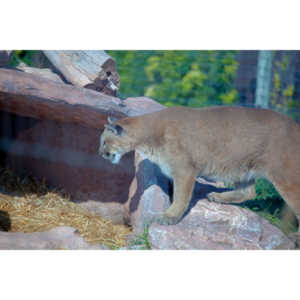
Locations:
44 72
66 155
213 226
148 194
59 238
34 96
137 106
151 193
206 225
51 130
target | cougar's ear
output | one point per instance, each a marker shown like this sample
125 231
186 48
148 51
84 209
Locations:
111 120
116 129
119 129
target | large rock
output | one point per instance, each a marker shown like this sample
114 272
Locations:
136 106
44 72
51 130
213 226
59 238
206 225
148 194
31 95
66 155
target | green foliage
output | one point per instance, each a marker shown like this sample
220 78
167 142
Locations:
267 200
130 65
190 78
24 56
268 204
143 240
265 190
282 94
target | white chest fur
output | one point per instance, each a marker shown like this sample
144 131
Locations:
158 160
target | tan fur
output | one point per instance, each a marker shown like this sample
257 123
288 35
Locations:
231 144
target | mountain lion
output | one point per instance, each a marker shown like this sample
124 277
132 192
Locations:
230 144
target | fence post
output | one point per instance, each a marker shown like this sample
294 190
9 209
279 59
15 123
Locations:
263 80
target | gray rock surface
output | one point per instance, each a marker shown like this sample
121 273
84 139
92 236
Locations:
45 72
113 211
213 226
148 194
59 238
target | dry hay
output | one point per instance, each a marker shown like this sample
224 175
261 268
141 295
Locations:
32 206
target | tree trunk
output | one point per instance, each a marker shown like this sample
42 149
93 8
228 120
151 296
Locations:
95 70
263 81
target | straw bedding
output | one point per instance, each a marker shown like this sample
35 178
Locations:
32 206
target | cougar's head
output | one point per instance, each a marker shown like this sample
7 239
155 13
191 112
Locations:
114 141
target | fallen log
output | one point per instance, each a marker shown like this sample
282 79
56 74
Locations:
33 96
95 70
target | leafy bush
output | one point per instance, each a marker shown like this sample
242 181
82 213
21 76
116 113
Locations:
189 78
22 56
267 198
269 205
265 190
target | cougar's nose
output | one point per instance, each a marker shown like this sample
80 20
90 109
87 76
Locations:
106 154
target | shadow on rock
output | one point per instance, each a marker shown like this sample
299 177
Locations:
5 222
150 174
201 191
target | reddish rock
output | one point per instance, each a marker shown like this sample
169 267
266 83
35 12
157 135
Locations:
213 226
141 105
55 239
67 156
44 73
55 132
113 211
33 96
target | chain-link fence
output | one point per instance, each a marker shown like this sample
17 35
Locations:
200 78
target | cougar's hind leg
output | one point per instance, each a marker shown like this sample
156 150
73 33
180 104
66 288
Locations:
290 192
243 192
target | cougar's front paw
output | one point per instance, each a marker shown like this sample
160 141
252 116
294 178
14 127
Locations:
215 197
295 237
166 220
